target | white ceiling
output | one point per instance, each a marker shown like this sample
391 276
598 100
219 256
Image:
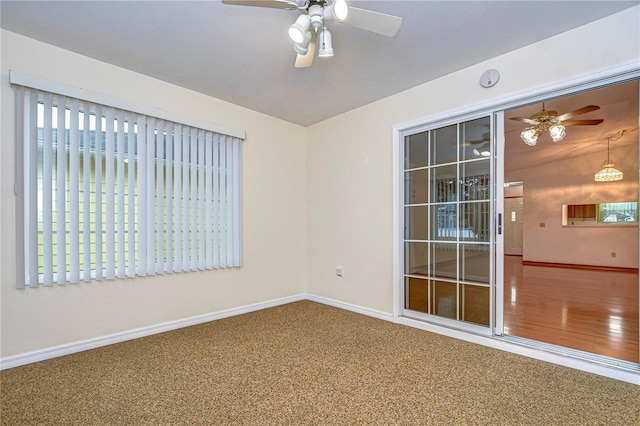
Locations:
243 55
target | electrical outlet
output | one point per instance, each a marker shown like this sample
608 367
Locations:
542 224
339 270
613 254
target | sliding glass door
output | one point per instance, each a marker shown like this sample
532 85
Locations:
448 227
567 281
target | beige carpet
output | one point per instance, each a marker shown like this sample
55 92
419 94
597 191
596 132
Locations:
308 364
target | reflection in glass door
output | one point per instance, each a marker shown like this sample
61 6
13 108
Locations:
447 224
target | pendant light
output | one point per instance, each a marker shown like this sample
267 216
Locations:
609 173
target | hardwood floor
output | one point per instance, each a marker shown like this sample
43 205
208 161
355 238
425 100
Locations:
589 310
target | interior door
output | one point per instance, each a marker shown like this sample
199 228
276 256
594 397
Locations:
513 226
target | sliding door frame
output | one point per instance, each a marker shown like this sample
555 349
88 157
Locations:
498 202
615 74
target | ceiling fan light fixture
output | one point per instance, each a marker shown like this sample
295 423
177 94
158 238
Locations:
483 153
312 15
298 29
316 16
326 47
336 11
530 136
303 48
549 120
557 132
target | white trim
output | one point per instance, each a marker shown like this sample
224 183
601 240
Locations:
26 80
492 342
629 69
528 351
498 201
497 343
350 307
83 345
398 197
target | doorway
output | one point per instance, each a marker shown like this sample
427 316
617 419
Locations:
513 218
574 284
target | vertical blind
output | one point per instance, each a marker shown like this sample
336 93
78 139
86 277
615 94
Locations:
108 193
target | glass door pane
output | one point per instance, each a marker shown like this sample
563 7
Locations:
475 304
447 222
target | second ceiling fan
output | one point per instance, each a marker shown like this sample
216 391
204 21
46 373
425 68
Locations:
554 123
310 29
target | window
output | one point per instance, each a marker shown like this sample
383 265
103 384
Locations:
109 193
618 212
602 214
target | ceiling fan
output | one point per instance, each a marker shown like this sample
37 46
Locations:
554 123
310 27
478 145
485 139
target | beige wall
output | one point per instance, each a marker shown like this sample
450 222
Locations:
570 181
307 207
273 216
350 165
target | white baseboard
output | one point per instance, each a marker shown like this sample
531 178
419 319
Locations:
53 352
349 307
496 343
528 351
71 348
84 345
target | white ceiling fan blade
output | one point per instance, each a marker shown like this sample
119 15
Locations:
376 22
305 61
275 4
